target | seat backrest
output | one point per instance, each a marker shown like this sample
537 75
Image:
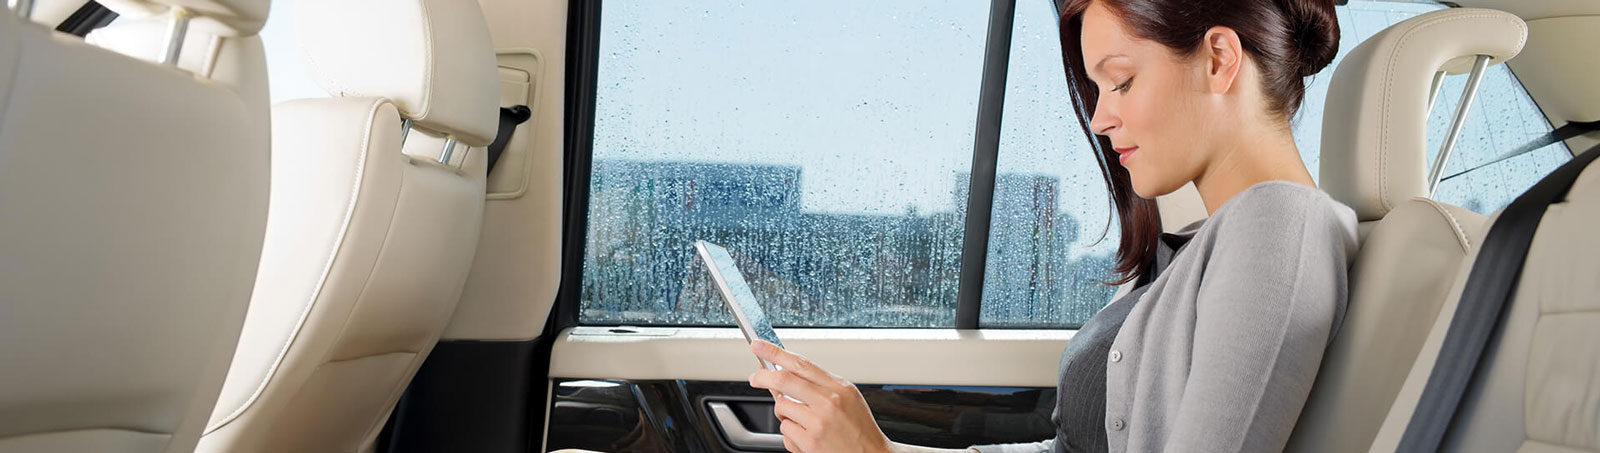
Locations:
370 235
132 214
1538 386
235 61
1373 159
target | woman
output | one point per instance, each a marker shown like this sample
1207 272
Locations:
1214 340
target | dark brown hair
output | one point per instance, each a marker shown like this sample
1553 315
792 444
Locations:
1288 40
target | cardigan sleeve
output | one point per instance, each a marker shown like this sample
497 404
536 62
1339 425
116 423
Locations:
1272 293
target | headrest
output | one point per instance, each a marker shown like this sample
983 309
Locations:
432 58
220 17
1374 126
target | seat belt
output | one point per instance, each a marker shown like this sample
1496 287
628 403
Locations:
1562 133
1485 300
510 117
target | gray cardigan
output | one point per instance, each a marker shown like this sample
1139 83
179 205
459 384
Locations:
1221 350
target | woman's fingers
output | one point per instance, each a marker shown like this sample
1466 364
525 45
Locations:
786 382
795 437
791 362
796 412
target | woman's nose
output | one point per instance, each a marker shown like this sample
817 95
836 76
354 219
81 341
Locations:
1102 122
1104 119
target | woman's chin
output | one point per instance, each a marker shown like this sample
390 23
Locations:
1149 190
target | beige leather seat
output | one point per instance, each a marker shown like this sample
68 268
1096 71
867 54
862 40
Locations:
368 244
218 54
1373 159
1539 386
132 207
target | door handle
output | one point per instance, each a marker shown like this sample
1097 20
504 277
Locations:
739 436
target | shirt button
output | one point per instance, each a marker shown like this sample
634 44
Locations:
1116 424
1116 356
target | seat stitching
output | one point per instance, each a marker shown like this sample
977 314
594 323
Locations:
1570 311
1388 89
1461 234
327 267
427 63
87 428
367 356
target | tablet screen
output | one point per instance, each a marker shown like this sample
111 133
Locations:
730 281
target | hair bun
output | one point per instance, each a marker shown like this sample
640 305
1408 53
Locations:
1314 27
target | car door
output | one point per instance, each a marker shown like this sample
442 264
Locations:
805 141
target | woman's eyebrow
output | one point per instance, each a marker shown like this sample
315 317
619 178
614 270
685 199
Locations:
1098 66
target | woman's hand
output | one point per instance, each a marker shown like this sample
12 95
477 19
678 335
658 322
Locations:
831 417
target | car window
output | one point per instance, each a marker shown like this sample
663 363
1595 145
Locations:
1052 237
824 150
832 154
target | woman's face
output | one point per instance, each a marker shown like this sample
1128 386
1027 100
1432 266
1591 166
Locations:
1153 104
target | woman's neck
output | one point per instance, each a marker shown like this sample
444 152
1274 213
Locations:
1256 157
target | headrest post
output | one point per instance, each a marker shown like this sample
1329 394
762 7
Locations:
1479 65
24 8
405 130
449 148
175 34
1433 91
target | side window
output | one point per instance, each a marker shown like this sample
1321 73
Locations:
1502 118
1052 237
286 73
832 154
826 151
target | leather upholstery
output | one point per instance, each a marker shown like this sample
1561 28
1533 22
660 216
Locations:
133 206
223 17
1398 281
1537 391
368 246
237 62
367 250
1372 156
432 58
1375 117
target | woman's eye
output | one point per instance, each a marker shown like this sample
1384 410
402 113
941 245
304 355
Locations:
1123 86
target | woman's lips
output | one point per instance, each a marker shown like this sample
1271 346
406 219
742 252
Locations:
1123 153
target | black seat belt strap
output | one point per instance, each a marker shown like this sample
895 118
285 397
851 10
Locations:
510 117
1485 300
1562 133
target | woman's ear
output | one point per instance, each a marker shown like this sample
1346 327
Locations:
1223 57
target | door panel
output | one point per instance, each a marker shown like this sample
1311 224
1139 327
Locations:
1019 358
675 415
620 389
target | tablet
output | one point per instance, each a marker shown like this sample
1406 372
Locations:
730 282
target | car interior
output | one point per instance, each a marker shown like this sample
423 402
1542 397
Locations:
468 225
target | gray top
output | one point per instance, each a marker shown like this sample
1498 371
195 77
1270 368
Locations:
1221 349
